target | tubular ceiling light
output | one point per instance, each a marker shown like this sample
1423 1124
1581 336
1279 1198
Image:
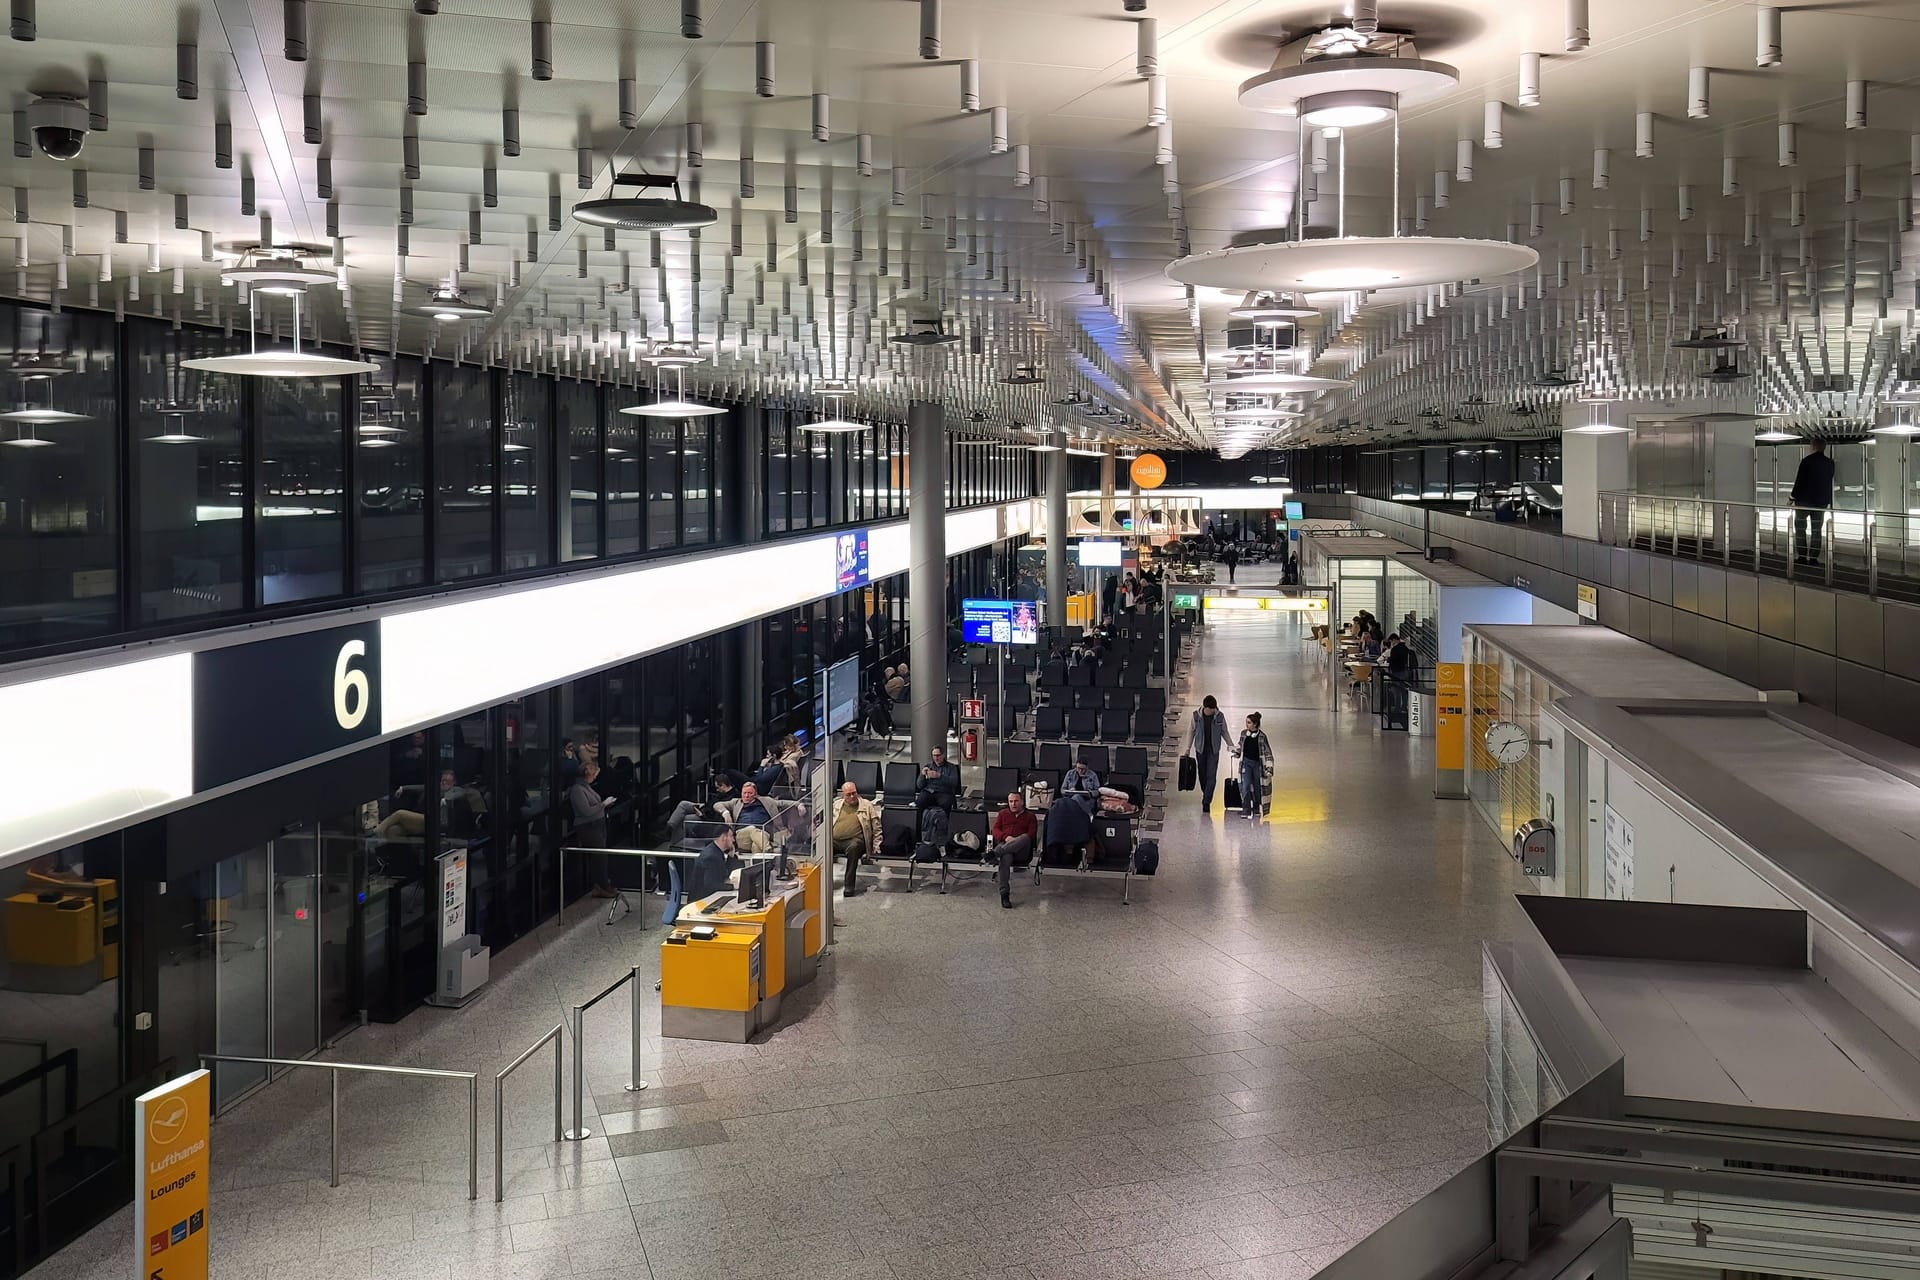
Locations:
1352 263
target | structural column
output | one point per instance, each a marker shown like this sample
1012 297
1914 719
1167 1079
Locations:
927 574
1590 464
1056 465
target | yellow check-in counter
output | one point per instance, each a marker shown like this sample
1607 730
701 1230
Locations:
730 985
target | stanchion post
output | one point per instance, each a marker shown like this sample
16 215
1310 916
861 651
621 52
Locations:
559 1083
500 1138
333 1128
473 1136
634 1083
579 1132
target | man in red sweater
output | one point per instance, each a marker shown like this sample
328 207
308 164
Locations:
1014 831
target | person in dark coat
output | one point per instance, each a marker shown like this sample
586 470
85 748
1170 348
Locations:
712 867
1812 497
1070 824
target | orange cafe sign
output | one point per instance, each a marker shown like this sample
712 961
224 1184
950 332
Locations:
1149 471
170 1178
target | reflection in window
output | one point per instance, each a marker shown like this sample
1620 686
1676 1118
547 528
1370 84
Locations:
526 454
626 483
463 472
301 530
58 478
663 482
696 510
188 436
577 425
390 471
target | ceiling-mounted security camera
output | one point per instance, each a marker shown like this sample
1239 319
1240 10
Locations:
59 124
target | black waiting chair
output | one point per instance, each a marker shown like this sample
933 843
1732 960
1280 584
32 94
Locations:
968 820
865 774
1132 760
1017 754
1133 784
1019 696
1080 676
1153 705
1118 699
1095 756
1111 848
1115 725
902 780
1054 759
1000 780
1110 675
1049 722
1088 699
899 830
1082 725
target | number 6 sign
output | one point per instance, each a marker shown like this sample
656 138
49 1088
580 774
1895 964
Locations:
263 706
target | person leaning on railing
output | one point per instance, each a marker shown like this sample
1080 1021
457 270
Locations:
1812 497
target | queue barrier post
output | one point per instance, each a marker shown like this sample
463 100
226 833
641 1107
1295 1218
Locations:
333 1119
580 1132
500 1106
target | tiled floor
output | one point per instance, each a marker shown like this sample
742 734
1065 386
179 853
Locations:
1273 1050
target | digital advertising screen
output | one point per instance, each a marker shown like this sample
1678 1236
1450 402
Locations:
999 622
1295 511
850 559
1097 553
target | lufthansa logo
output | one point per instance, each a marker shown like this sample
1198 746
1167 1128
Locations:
168 1121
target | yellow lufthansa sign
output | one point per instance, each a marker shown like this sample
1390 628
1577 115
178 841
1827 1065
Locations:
1450 718
170 1181
1148 471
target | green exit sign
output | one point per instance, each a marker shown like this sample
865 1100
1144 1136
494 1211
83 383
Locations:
1186 601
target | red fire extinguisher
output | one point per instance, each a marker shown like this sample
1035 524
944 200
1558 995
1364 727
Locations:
970 745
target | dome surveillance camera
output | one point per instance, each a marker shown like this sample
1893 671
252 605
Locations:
59 124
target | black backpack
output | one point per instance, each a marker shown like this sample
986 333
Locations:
933 827
1146 857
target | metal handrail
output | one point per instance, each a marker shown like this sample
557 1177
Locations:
333 1103
580 1132
500 1104
1743 533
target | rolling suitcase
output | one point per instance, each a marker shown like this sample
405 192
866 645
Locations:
1233 793
1189 773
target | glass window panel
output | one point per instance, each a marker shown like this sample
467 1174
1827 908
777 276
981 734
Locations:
526 461
463 472
188 429
577 421
626 484
390 473
696 508
775 484
663 483
59 507
301 533
820 478
724 434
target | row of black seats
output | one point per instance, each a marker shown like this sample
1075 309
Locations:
1110 849
1112 725
1109 673
1147 701
1021 761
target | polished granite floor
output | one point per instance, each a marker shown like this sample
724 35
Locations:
1276 1048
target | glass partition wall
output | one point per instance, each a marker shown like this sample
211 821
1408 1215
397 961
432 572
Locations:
138 496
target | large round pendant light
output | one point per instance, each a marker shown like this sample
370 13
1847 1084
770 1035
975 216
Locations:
678 406
1353 263
280 362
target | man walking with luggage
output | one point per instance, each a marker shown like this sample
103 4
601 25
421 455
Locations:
1206 742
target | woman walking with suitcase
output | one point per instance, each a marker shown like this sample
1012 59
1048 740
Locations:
1256 767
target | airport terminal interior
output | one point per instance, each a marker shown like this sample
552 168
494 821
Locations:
946 640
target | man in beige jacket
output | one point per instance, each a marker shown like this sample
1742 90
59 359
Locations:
856 832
